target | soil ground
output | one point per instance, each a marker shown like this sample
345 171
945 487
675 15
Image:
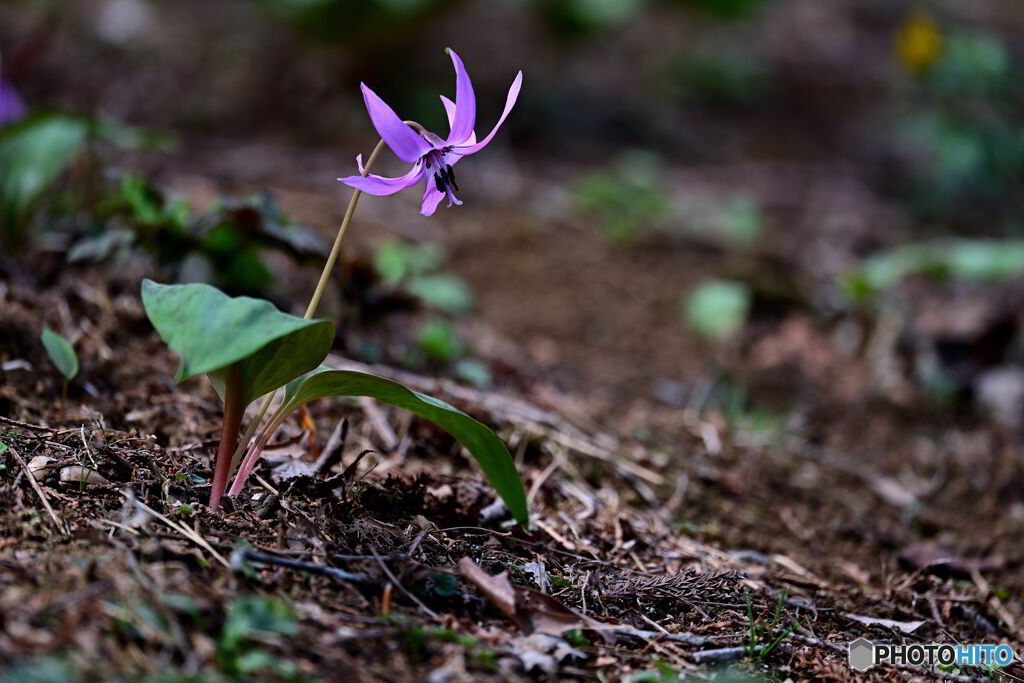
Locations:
743 509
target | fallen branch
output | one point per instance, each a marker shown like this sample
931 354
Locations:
242 555
26 425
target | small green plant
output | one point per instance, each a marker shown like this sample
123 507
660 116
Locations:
761 635
248 348
717 309
64 358
416 269
437 340
625 199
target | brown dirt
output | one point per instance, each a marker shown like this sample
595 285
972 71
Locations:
857 506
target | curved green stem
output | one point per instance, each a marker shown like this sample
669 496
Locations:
325 276
314 301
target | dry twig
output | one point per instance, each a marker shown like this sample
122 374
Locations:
39 491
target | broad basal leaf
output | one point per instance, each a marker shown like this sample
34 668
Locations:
210 330
482 443
61 353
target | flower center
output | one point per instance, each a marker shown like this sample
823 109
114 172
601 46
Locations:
444 176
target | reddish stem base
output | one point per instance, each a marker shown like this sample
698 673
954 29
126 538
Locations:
233 411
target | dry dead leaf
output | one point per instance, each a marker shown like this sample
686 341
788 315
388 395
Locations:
496 588
903 626
76 475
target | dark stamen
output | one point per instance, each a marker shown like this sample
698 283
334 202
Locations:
439 181
451 177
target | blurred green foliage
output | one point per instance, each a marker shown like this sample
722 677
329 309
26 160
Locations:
734 222
729 9
722 77
942 259
342 21
626 198
962 128
436 338
582 17
664 673
416 269
578 18
250 620
223 246
49 669
38 151
32 155
717 309
345 21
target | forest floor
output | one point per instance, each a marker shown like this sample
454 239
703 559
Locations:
732 510
671 533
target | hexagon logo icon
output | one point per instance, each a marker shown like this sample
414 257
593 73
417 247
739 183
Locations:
862 654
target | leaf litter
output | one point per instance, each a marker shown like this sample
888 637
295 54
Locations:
383 555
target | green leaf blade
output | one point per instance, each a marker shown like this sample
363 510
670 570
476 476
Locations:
482 443
33 154
211 331
61 353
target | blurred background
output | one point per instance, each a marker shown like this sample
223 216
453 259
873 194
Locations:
771 251
777 207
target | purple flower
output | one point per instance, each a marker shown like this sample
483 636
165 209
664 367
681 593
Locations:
11 107
431 157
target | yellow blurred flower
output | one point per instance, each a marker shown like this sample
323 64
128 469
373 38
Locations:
918 42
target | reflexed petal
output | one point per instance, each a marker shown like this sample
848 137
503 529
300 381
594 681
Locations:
449 108
381 186
403 141
465 104
513 94
431 198
451 158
